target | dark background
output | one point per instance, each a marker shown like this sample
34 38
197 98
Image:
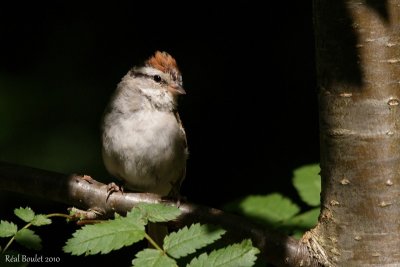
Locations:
249 71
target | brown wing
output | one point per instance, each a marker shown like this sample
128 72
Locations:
182 129
177 185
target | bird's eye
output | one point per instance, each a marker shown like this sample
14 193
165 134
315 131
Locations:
157 78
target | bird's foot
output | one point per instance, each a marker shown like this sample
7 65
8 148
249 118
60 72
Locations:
113 188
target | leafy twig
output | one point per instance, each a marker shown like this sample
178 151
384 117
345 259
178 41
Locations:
275 248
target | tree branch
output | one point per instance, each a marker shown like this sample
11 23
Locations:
86 193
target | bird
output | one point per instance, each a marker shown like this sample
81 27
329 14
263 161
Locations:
143 139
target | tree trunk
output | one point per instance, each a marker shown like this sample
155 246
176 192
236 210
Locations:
358 63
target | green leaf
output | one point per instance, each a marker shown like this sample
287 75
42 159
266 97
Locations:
135 214
26 214
106 236
40 220
243 254
29 239
7 229
297 234
307 181
154 258
188 240
302 222
268 209
158 212
305 220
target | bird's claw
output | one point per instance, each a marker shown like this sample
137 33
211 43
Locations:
113 188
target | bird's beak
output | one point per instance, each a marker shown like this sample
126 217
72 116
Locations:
176 90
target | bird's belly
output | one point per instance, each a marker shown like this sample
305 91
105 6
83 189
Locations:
148 151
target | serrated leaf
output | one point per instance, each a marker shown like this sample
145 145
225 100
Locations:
302 222
29 239
40 219
7 229
26 214
243 254
158 212
105 237
307 181
188 240
12 259
305 220
153 258
268 209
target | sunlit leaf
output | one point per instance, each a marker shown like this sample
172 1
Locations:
308 183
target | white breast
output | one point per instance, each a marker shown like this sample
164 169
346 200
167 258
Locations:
146 149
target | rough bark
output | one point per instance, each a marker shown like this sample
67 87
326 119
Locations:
358 64
85 193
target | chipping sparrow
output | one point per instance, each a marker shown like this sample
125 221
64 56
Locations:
144 142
